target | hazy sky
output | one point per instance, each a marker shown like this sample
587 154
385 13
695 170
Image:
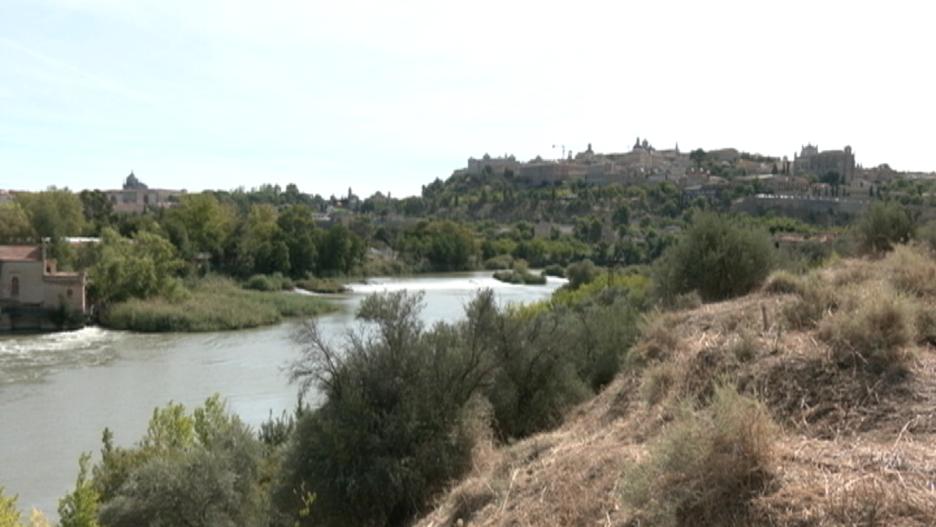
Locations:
390 95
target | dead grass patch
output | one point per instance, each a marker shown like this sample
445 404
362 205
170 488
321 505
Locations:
783 283
873 332
707 465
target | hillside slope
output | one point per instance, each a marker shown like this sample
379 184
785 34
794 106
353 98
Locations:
844 363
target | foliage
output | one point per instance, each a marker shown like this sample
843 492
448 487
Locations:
203 468
14 223
884 225
273 282
212 304
54 213
520 274
580 273
260 244
554 270
715 257
80 507
340 251
707 465
445 245
204 222
139 268
389 433
9 514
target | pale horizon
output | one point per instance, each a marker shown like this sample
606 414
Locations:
380 97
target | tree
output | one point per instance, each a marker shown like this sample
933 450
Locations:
98 209
621 215
141 267
200 469
80 507
9 514
299 233
208 224
14 223
54 213
261 247
697 156
340 251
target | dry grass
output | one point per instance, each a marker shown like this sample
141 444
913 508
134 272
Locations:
911 270
854 447
783 283
816 299
873 331
707 465
658 339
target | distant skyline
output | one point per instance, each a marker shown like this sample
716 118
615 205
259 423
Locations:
387 96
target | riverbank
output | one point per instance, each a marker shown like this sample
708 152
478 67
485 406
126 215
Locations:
212 304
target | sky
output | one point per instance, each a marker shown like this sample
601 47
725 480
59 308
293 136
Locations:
387 96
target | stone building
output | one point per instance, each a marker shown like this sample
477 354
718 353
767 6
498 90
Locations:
135 197
813 162
31 288
496 165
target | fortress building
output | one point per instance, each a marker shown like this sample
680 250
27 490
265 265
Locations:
812 162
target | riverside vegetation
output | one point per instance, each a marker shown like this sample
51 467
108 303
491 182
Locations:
253 237
622 399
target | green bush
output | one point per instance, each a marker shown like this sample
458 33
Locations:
581 273
261 282
204 468
392 430
554 270
707 465
715 257
496 263
883 226
329 286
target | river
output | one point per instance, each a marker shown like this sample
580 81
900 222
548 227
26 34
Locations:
59 391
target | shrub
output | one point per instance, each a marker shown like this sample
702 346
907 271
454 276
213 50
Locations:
391 431
782 283
554 270
581 273
260 282
203 468
327 286
269 282
911 271
503 261
657 381
883 226
520 274
707 465
926 235
874 332
816 299
715 257
658 338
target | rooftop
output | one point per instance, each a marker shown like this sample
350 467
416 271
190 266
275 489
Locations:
12 253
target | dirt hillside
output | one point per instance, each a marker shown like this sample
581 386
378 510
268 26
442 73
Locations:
842 360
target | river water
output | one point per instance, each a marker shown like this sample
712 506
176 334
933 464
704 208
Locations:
59 391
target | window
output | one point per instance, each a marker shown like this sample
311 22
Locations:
14 286
69 293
